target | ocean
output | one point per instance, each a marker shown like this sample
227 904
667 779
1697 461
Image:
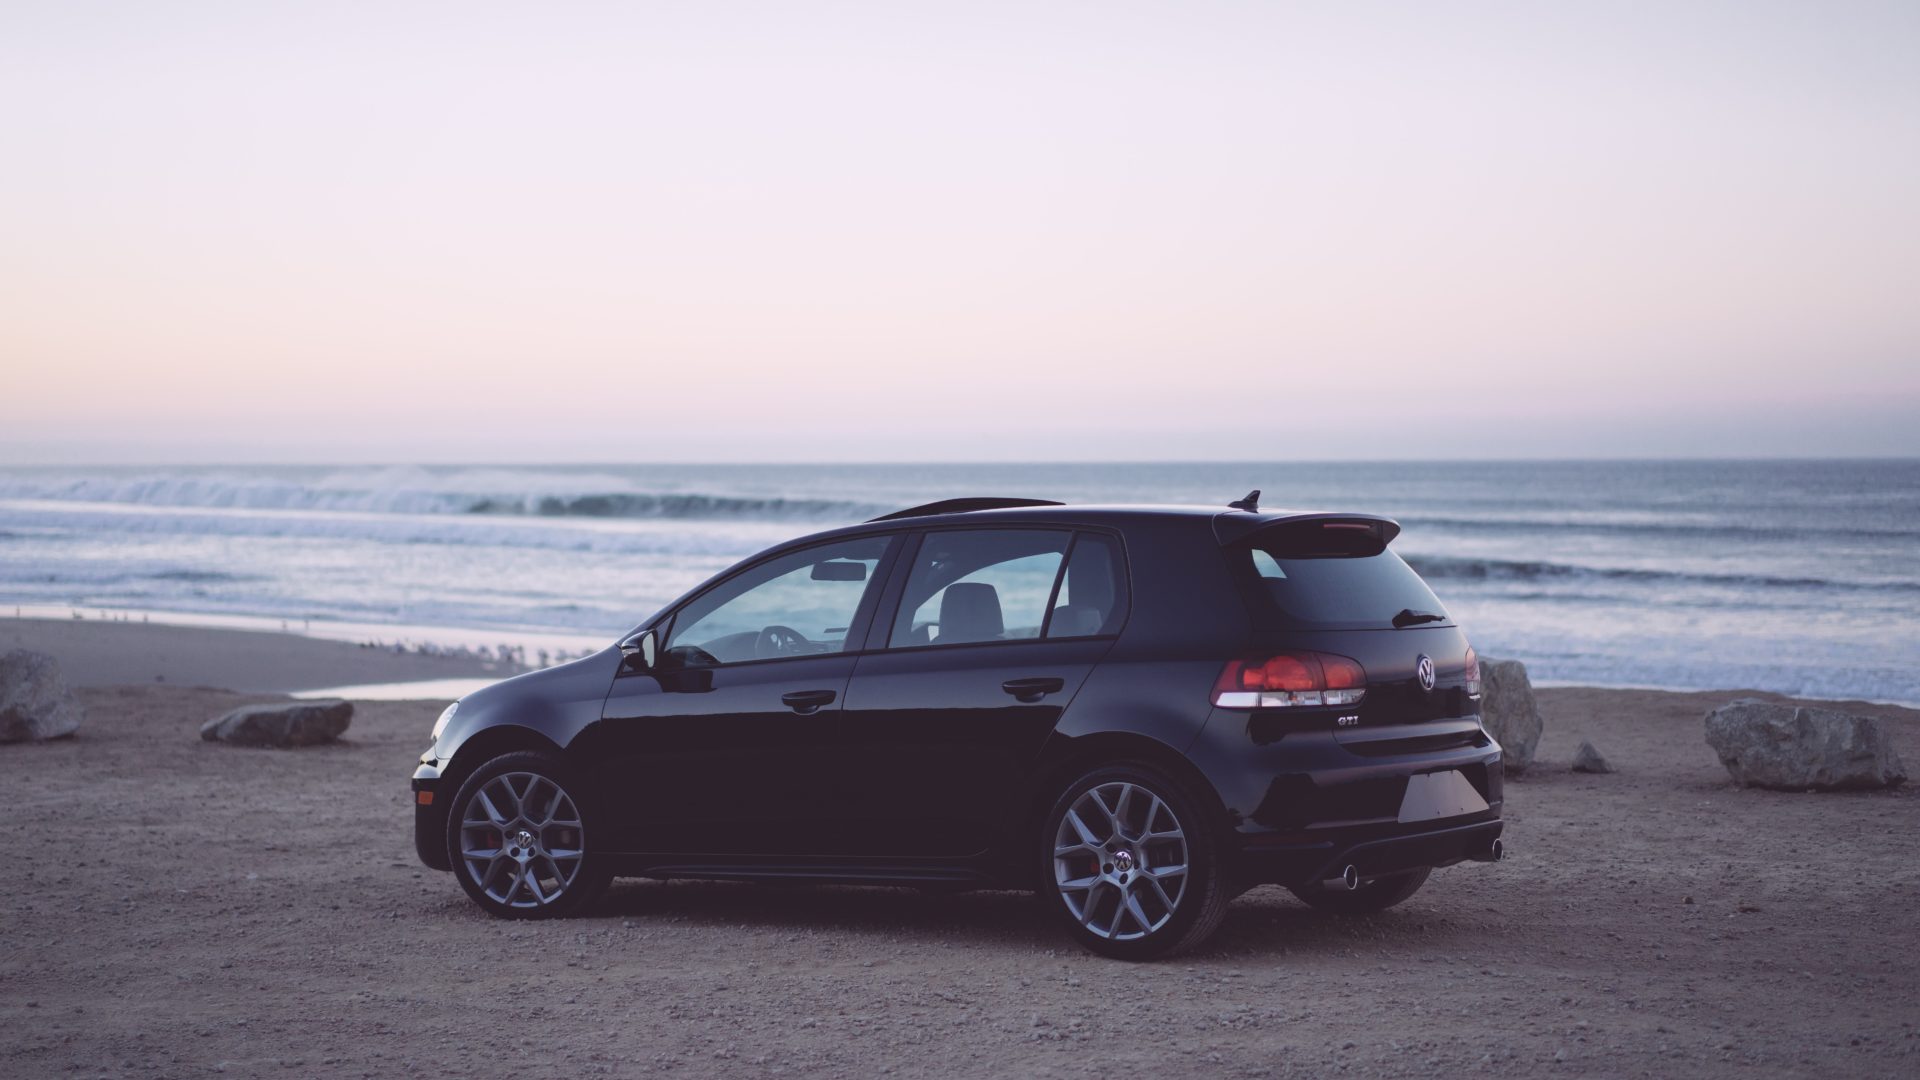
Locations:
1801 577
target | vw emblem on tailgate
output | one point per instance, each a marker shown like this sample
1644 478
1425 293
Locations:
1423 667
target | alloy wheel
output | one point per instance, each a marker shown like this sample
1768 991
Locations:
1120 861
521 840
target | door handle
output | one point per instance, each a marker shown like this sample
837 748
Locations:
1032 690
807 702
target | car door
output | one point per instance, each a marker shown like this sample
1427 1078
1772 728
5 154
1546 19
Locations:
705 752
982 645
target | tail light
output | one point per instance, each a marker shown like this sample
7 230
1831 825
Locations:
1290 679
1473 672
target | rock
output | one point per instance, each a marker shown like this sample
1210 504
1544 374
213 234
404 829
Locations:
1588 759
293 723
1792 747
35 703
1508 710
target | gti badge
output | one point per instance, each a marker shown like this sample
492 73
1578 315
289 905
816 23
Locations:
1423 667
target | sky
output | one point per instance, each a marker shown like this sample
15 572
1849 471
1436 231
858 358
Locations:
899 231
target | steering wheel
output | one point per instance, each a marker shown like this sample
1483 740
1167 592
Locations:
777 640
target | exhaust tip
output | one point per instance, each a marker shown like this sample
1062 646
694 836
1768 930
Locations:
1347 881
1496 850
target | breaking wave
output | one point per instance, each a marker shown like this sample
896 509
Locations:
1671 528
1443 568
418 491
640 537
692 506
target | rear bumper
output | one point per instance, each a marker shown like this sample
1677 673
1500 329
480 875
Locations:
430 818
1303 803
1370 851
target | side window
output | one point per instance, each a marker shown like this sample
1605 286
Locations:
975 585
800 604
1093 596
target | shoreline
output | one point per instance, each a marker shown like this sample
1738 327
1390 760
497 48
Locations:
98 653
415 637
1770 695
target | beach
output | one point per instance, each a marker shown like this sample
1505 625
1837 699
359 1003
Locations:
183 907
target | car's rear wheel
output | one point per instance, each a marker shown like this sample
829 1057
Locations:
1131 864
1374 894
517 835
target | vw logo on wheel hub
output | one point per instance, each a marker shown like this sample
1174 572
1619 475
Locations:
1423 667
1123 861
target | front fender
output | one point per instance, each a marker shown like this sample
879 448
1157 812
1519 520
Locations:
555 703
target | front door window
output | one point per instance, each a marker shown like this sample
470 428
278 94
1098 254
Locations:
801 604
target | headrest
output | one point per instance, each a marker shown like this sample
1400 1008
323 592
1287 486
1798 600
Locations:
1076 620
970 611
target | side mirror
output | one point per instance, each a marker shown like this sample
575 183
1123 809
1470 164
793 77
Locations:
638 651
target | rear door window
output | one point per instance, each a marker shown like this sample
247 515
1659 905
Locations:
969 586
1093 596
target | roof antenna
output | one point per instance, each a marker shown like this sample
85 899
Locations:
1250 503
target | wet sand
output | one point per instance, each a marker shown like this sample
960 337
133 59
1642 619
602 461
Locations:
98 652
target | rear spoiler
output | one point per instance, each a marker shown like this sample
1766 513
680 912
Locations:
1309 534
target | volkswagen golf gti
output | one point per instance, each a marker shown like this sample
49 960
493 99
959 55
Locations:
1138 712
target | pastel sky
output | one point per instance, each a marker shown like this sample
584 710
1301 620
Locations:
720 231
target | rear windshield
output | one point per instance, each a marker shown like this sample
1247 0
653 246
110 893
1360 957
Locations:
1347 592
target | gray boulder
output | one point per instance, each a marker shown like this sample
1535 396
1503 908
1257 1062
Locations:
293 723
1508 710
35 703
1794 748
1589 759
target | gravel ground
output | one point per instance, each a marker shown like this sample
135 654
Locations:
182 908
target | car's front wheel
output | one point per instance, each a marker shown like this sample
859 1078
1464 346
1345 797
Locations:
517 835
1131 864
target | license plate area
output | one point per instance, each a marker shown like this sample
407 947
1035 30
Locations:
1431 796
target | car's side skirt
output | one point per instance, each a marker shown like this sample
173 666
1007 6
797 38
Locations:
866 872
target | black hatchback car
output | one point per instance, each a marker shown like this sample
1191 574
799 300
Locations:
1138 712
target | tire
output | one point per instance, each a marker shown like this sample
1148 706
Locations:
1378 894
1113 889
506 802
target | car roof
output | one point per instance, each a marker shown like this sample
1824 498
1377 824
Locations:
1061 511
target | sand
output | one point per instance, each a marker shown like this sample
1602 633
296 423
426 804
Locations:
176 908
96 652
